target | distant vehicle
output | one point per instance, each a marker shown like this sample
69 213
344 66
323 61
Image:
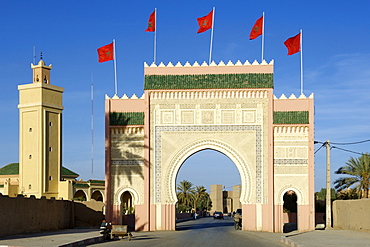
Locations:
218 215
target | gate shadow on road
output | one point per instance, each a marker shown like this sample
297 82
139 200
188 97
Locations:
199 224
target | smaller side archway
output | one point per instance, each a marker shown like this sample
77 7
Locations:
127 209
127 206
290 211
124 202
290 199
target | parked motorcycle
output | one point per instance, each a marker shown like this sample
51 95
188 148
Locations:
105 229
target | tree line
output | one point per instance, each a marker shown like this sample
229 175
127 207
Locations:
192 198
356 183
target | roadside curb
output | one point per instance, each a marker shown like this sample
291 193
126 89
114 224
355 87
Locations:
288 241
184 219
84 242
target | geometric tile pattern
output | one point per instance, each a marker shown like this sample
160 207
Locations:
206 128
291 161
127 162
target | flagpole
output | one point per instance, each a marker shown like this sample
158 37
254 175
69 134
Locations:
155 35
210 47
115 67
263 34
301 63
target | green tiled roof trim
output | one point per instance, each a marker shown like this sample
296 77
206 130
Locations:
11 169
96 181
81 185
209 81
1 186
291 117
126 118
67 172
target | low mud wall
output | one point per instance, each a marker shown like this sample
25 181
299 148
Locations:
88 214
20 215
352 214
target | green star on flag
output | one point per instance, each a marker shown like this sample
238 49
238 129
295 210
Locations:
151 22
293 44
105 53
257 29
205 22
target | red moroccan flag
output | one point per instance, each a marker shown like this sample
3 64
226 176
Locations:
257 29
205 22
151 23
293 44
105 53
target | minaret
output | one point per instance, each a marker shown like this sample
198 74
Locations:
40 134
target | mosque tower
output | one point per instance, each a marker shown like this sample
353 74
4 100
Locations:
40 135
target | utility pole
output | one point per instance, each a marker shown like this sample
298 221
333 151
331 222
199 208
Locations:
328 187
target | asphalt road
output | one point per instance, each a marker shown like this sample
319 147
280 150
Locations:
200 232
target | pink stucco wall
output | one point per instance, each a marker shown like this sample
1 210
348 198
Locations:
126 105
305 104
249 212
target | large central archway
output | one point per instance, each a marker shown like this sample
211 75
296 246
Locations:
215 182
219 146
173 145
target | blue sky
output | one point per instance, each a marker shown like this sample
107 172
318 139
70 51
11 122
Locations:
335 56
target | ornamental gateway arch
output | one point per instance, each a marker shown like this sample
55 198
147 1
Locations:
230 108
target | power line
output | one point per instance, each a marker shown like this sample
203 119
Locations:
319 148
350 143
350 151
346 150
343 143
346 143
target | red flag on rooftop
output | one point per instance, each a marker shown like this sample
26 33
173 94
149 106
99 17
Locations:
205 22
151 23
105 53
257 29
293 44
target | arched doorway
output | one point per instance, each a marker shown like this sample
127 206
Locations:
187 151
290 211
80 195
127 210
97 196
218 174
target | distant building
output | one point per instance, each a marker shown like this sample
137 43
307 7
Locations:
40 171
223 200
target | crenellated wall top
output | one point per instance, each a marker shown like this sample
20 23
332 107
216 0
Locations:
292 96
212 68
134 96
233 93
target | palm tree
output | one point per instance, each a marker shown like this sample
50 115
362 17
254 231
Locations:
185 194
199 194
358 170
